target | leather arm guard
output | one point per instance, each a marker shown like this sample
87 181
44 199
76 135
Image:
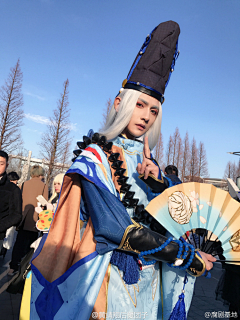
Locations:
138 238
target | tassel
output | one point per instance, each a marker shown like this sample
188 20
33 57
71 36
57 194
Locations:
179 311
128 263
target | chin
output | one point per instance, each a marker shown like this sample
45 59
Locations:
135 134
139 135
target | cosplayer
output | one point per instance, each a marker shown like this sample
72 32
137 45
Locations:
110 260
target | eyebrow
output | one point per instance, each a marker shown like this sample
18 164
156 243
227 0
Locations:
155 107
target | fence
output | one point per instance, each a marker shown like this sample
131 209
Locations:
29 161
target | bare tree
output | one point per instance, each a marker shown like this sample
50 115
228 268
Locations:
106 112
238 169
234 171
175 146
16 164
202 161
56 140
179 154
194 161
11 112
65 157
185 158
158 151
228 170
169 151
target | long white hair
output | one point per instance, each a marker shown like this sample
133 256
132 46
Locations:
117 121
57 179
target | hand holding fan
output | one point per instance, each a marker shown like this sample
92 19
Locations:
206 216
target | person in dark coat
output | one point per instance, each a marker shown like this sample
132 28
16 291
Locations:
171 173
10 200
13 177
28 232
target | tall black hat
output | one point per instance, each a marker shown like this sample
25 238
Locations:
154 63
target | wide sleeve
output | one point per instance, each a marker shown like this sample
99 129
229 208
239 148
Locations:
100 200
109 216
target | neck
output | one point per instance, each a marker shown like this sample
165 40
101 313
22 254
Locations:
131 138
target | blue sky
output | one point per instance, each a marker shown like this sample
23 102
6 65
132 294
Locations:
93 44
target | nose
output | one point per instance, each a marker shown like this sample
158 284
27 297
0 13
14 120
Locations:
146 115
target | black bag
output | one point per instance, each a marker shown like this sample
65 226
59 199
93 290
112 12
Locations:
18 281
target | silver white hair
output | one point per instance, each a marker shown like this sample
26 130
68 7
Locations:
117 121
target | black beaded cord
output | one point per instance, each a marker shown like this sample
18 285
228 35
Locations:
140 214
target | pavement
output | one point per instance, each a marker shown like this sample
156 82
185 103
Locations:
204 305
9 303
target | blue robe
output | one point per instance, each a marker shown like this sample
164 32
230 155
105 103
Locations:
73 295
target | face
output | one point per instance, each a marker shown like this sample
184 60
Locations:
144 115
14 181
57 187
3 165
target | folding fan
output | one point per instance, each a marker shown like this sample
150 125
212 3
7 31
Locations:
202 214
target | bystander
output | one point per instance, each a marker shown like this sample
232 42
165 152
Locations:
11 199
13 177
171 173
27 231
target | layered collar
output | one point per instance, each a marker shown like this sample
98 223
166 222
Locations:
128 144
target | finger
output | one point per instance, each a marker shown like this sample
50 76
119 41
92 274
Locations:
146 172
209 265
151 169
210 257
146 162
146 149
139 166
143 166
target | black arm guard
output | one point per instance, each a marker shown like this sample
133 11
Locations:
138 238
155 184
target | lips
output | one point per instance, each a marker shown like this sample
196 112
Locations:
140 127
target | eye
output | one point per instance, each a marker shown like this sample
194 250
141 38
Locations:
154 112
139 105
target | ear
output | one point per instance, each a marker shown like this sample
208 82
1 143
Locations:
116 103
